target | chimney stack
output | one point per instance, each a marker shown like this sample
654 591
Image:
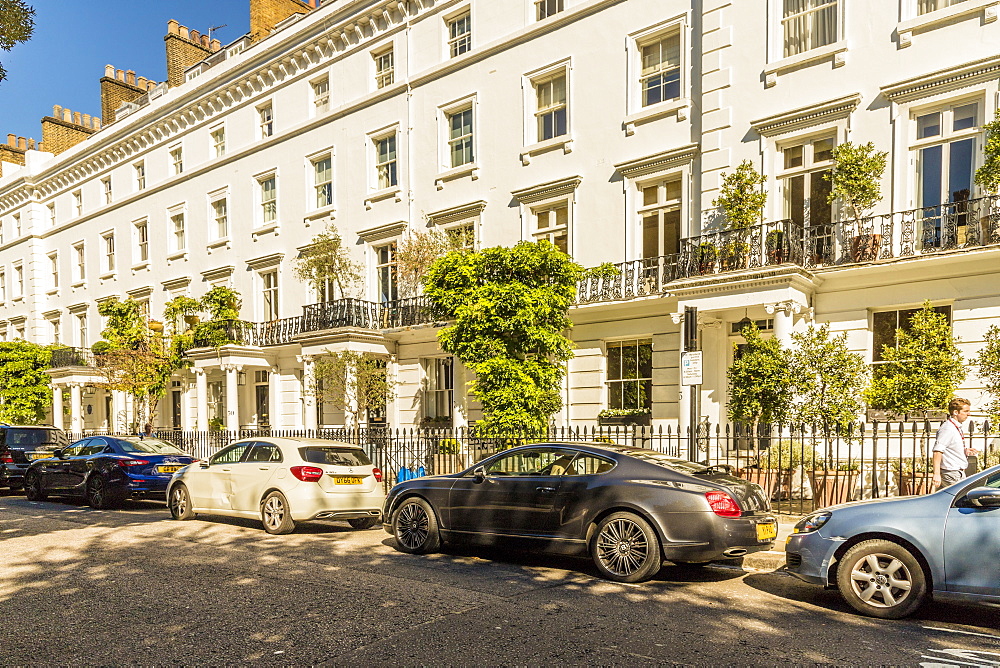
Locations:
64 129
118 86
265 14
184 48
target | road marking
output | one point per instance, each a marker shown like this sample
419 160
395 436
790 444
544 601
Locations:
968 633
949 658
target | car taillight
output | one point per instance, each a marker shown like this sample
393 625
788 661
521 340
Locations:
307 473
378 474
132 462
6 458
723 505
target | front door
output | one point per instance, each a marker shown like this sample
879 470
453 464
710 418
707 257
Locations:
175 409
971 543
516 497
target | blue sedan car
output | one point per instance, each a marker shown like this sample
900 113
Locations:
889 556
106 470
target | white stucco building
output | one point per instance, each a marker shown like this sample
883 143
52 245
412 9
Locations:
602 125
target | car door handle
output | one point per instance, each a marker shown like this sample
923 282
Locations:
546 490
225 469
264 468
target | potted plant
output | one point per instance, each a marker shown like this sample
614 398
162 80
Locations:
777 251
446 457
620 417
856 180
742 202
833 484
775 465
707 254
913 476
988 176
734 254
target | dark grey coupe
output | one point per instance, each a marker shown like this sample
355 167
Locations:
630 508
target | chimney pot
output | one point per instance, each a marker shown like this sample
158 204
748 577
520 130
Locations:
31 144
109 70
77 118
22 144
120 75
67 115
215 45
195 36
56 111
141 83
172 27
11 140
86 121
205 41
130 77
95 123
183 31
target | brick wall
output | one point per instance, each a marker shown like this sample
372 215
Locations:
64 129
265 14
185 48
118 86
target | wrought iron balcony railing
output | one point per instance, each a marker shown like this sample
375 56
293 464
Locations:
65 357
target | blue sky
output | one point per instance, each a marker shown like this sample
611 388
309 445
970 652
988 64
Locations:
73 41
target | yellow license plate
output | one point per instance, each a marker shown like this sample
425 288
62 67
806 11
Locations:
767 531
168 469
39 455
348 480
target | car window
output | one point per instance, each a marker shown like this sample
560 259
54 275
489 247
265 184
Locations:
230 455
666 461
317 454
153 446
993 481
264 452
589 465
95 447
76 448
28 439
532 462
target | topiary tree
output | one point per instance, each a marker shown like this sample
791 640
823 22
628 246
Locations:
988 176
988 362
856 177
741 198
923 369
510 307
25 395
760 388
326 261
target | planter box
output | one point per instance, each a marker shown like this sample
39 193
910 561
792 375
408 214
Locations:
624 420
879 415
915 483
832 487
865 247
776 483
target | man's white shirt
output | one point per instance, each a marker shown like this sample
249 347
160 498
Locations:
950 443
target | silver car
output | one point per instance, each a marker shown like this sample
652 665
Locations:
889 556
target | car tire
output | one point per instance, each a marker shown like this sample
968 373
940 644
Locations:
180 502
881 579
33 487
363 523
415 526
625 548
275 514
99 493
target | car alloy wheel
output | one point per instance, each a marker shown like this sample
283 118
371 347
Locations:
881 579
180 503
33 488
415 526
625 548
98 494
275 514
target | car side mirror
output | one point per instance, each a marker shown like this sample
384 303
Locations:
203 465
60 453
479 473
984 497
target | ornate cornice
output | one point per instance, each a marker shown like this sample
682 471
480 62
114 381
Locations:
387 231
547 190
456 213
943 81
658 162
814 114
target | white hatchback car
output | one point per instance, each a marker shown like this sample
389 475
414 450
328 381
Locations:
281 481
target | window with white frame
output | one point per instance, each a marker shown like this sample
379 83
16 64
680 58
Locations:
460 139
55 330
384 68
927 6
268 199
220 216
660 68
551 223
265 117
18 280
19 331
551 106
177 160
108 240
53 271
3 286
179 232
321 96
459 34
106 185
52 214
80 262
77 203
322 169
141 237
946 149
547 8
462 236
385 272
218 142
805 186
809 24
269 294
16 219
139 173
82 336
385 162
439 396
660 214
886 326
630 374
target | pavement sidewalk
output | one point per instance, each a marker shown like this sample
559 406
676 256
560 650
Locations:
774 558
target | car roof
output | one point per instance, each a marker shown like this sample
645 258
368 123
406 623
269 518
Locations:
597 447
290 442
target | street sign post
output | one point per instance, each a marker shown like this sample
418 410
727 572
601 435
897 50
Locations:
691 368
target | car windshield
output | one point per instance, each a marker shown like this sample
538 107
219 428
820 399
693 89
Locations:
666 461
29 438
150 445
335 456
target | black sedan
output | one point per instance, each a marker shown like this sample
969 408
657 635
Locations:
106 470
630 508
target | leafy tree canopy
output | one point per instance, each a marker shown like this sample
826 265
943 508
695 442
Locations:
827 379
355 381
327 260
760 389
988 176
17 23
417 252
24 384
988 361
856 177
741 197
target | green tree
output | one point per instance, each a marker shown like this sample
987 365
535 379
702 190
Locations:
356 381
760 388
17 23
510 307
326 261
988 361
923 369
24 384
827 379
988 176
856 177
417 252
741 197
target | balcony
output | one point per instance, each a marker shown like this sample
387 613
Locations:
66 357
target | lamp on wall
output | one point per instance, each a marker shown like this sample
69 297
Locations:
241 378
742 324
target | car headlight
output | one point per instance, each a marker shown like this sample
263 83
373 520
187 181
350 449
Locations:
812 522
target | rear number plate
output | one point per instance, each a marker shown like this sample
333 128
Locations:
39 455
767 531
348 480
168 469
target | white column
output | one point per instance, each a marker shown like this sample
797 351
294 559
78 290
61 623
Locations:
201 399
118 411
350 403
274 398
460 407
75 419
232 397
57 406
308 396
784 314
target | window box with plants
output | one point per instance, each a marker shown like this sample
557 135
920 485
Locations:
615 417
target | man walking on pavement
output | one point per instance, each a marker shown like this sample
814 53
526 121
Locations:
951 456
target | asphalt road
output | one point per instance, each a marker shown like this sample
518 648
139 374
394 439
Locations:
131 586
